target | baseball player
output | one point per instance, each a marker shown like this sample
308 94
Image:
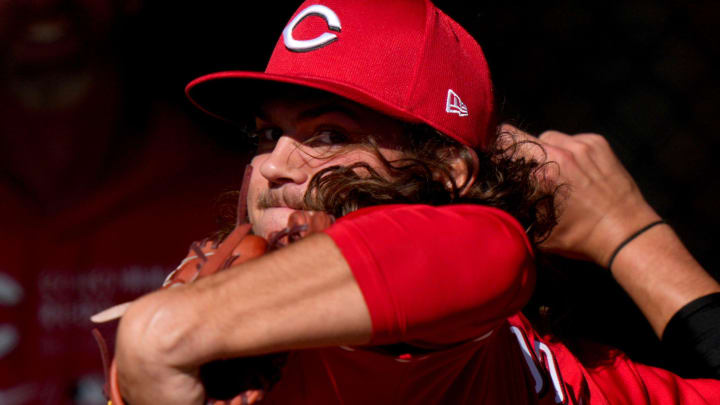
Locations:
381 114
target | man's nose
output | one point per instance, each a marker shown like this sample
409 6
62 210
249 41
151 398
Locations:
287 163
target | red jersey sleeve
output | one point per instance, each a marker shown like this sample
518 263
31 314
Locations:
436 274
623 381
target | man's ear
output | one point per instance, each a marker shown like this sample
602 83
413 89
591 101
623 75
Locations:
463 175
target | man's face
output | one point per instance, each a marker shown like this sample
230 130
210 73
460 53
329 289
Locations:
300 136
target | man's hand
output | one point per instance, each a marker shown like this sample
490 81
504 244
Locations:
148 372
600 207
303 295
599 203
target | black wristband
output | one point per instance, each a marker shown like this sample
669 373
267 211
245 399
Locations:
630 239
692 337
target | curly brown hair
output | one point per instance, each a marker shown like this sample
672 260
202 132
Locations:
506 179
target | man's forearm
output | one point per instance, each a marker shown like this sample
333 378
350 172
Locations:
661 275
303 295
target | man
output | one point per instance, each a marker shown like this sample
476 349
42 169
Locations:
364 104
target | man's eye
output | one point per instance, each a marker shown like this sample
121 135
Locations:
264 135
266 138
328 137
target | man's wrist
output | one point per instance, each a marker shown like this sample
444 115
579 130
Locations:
632 237
615 229
660 275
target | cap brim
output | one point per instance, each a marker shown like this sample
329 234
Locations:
235 95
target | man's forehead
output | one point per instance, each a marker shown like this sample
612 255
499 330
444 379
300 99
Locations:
310 103
307 109
295 107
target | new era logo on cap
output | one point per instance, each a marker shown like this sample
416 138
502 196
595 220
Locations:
454 105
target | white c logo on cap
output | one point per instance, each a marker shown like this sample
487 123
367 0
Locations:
333 23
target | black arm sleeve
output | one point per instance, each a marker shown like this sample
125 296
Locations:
692 337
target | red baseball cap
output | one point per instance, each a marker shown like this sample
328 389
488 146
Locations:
403 58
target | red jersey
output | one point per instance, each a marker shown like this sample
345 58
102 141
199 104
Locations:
451 281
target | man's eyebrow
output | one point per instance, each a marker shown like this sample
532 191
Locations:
314 112
328 109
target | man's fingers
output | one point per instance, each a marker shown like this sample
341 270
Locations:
110 314
553 136
515 132
577 158
591 154
602 154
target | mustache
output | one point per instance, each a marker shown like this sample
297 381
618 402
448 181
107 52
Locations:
270 199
